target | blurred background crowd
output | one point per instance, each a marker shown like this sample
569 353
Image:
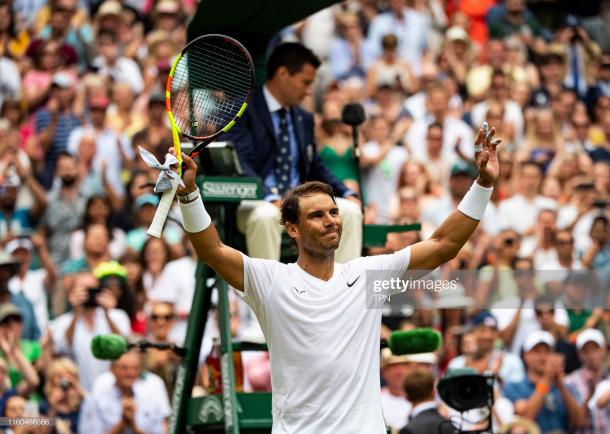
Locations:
81 87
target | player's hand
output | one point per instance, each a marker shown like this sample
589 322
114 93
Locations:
189 173
486 157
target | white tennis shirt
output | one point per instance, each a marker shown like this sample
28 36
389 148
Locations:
323 343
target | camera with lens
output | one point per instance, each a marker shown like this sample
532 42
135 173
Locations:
91 296
465 390
64 384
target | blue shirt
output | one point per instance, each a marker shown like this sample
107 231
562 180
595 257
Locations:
553 416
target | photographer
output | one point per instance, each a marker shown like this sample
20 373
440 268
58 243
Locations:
65 395
93 313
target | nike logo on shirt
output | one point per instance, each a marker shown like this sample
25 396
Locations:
349 285
298 292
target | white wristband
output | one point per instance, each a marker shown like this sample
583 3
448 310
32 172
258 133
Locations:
194 216
475 201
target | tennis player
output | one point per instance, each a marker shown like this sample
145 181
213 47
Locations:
323 340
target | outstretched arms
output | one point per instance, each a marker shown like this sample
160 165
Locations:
225 260
452 234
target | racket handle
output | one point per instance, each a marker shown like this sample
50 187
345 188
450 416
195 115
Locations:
156 227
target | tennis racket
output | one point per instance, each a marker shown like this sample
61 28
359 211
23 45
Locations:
207 91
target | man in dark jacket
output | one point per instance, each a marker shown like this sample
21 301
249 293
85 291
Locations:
424 417
275 142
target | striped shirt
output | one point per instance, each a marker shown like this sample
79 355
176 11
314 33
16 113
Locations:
597 420
66 123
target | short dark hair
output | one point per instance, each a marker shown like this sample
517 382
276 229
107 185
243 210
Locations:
532 163
290 210
419 385
291 55
435 124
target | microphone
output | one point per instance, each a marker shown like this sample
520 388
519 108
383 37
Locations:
416 341
109 347
112 347
353 114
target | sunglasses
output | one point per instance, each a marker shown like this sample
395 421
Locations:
509 241
565 242
155 317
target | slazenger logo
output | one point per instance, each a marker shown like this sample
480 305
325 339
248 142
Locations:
241 190
211 409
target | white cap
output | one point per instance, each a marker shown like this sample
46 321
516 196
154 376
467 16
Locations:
590 335
457 33
538 337
18 243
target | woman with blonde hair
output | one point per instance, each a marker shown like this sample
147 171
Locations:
64 394
543 139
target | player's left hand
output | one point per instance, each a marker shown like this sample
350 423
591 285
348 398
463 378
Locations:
486 157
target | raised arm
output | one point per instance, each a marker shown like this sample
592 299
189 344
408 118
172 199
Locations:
225 260
452 234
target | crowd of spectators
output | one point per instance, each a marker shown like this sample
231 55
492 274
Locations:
81 87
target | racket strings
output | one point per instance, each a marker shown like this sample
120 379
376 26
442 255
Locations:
211 82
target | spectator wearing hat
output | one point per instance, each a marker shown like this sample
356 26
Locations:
112 64
592 351
396 407
458 54
93 313
34 284
55 122
108 16
144 209
65 210
9 265
18 352
424 416
543 395
507 367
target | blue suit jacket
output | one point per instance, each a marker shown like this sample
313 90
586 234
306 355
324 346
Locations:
256 144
